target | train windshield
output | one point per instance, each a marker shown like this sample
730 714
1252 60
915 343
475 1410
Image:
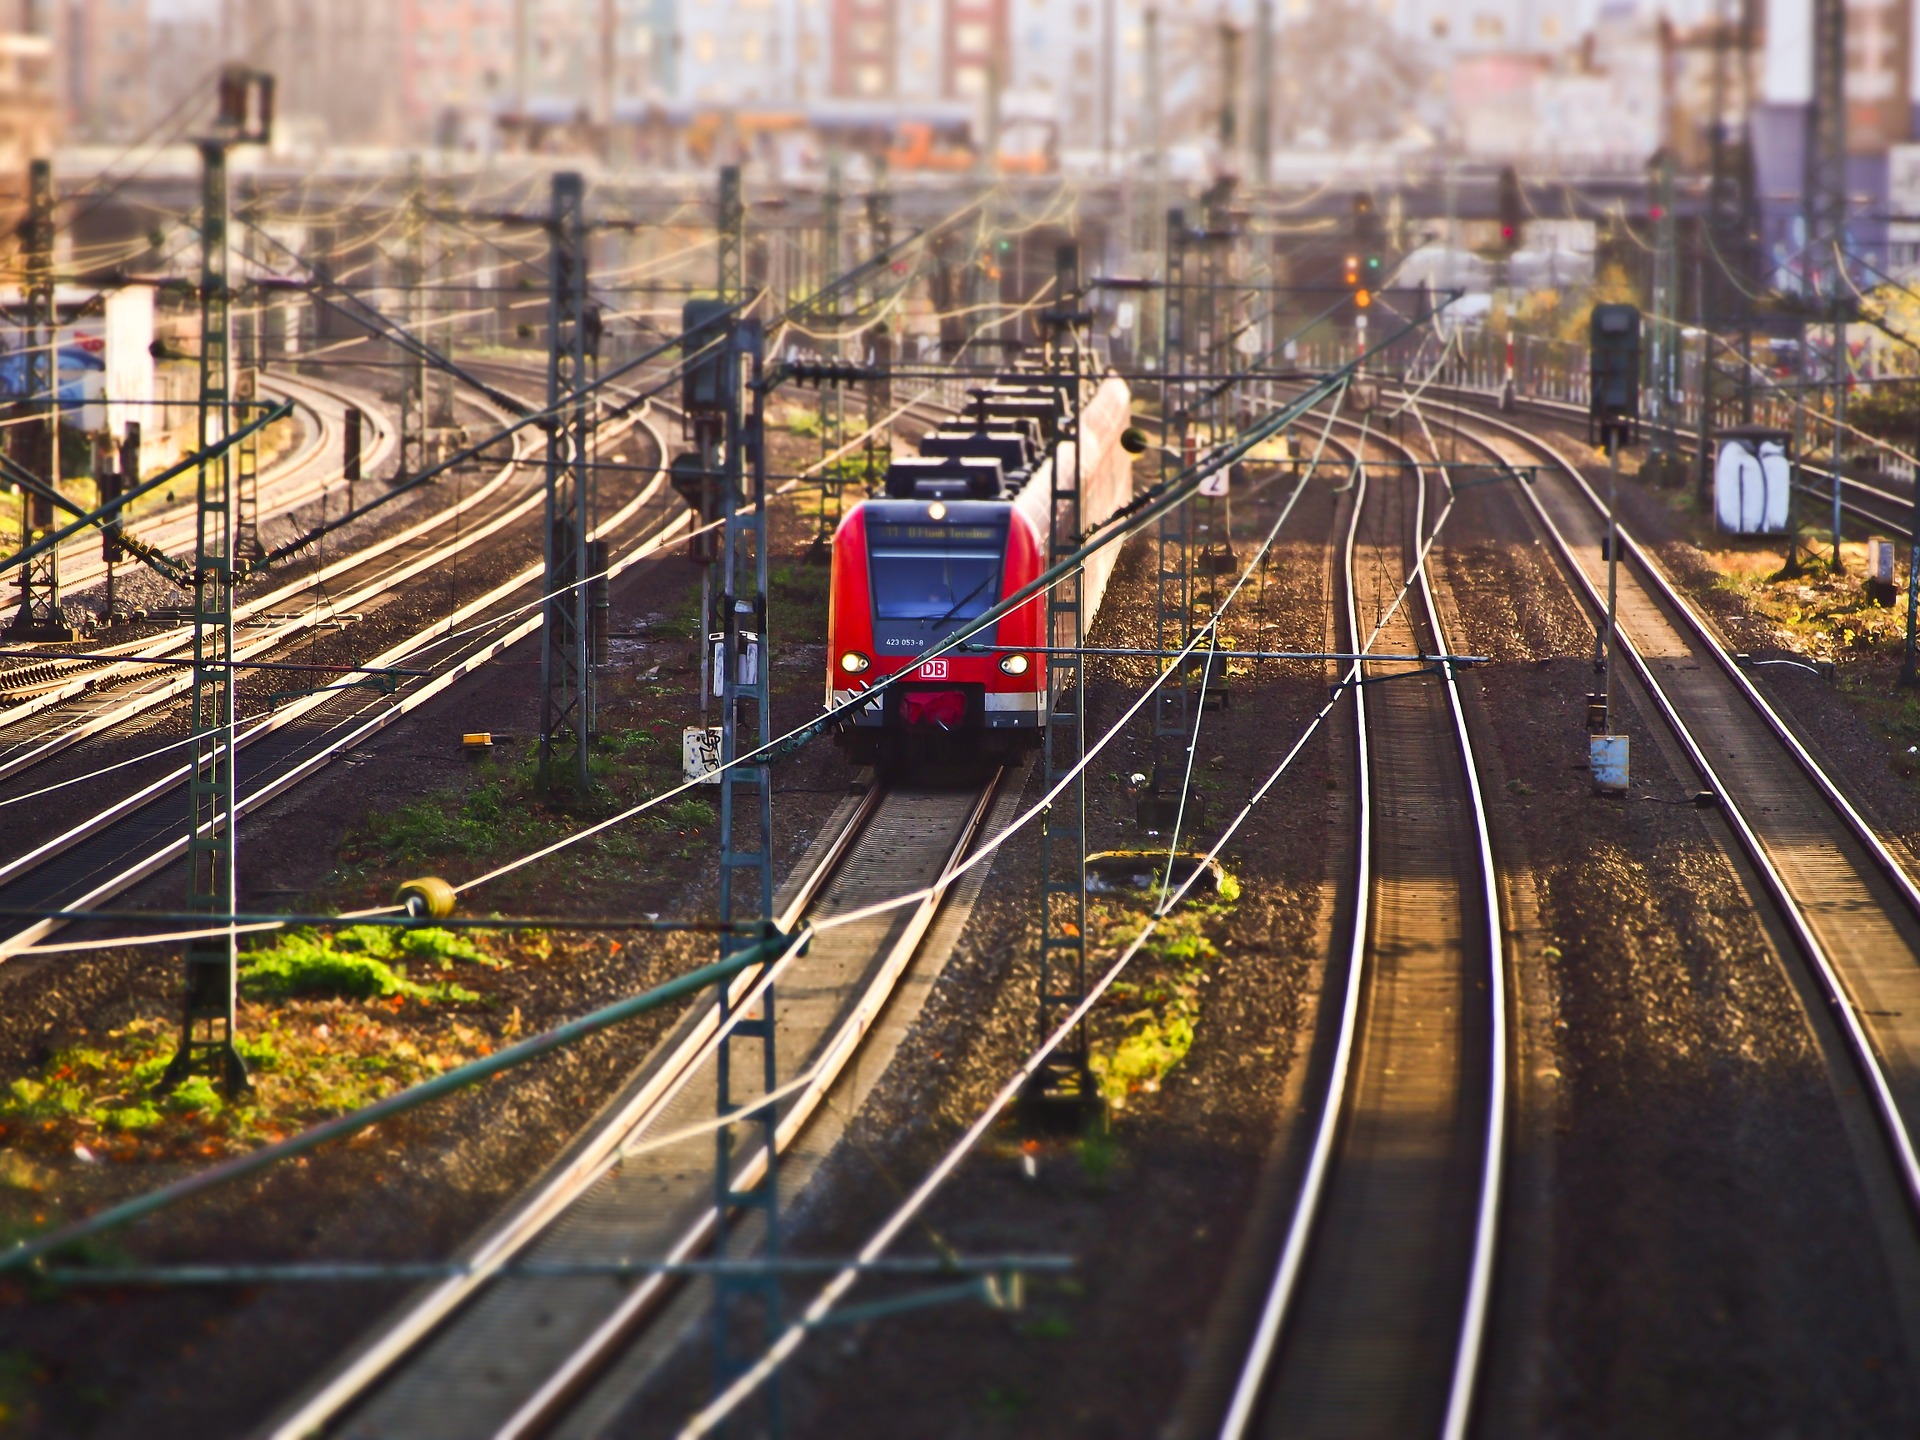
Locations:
932 574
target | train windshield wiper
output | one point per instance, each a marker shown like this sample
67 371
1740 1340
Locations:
962 602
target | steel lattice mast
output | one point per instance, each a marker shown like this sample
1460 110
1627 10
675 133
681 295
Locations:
566 661
1065 1077
208 1032
1823 260
38 444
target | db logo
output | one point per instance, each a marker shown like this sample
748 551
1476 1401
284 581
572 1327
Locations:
934 670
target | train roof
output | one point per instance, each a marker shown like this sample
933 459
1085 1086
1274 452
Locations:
946 477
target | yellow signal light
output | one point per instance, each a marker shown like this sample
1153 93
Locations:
1362 298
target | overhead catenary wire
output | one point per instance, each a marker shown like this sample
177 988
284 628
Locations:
774 952
711 1416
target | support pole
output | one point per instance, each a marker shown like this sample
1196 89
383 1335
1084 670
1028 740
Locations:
413 373
1825 189
1613 562
1910 666
879 339
1065 1082
731 237
1108 100
1173 585
566 663
246 390
1263 93
832 397
1842 374
1229 96
746 868
1155 241
1664 334
37 442
208 1034
709 424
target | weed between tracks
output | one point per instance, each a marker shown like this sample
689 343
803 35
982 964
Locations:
500 814
1828 616
1820 615
1146 1024
327 1025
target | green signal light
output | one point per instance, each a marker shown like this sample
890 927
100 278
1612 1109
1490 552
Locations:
1373 262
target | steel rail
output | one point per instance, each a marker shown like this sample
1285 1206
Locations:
410 700
1473 1328
1568 412
626 1132
90 674
1899 1138
135 671
285 485
561 1388
1471 1333
531 1216
827 1303
1293 1252
1668 592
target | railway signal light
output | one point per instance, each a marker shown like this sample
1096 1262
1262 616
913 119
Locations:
1512 209
350 446
1366 220
1369 240
246 105
115 481
1614 375
700 488
1363 298
110 532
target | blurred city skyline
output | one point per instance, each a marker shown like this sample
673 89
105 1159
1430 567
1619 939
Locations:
1026 86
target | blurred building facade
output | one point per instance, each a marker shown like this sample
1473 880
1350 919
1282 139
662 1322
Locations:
1580 81
104 67
30 100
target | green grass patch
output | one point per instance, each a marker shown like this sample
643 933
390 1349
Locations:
798 420
440 825
1148 1028
364 962
309 1060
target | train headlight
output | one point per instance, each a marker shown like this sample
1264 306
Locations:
853 662
937 511
1014 664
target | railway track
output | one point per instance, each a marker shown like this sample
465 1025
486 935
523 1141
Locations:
87 861
1886 510
292 481
461 1359
1374 1320
89 696
1848 904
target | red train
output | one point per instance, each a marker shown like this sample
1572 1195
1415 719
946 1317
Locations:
963 526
